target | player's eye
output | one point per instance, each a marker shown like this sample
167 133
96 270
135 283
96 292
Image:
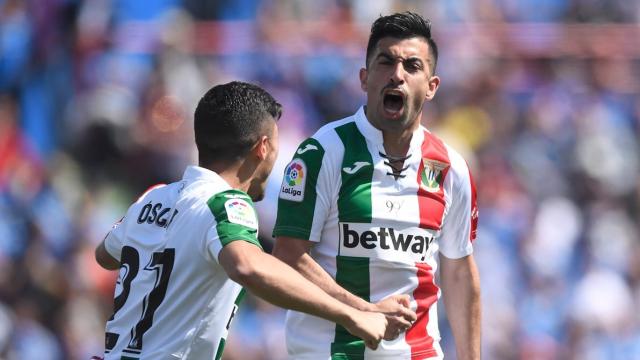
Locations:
412 66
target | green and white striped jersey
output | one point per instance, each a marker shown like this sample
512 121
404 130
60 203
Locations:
172 299
377 234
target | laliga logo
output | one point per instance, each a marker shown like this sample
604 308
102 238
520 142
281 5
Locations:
294 181
240 212
240 207
294 174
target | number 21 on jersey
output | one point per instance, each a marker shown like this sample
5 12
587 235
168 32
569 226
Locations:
162 264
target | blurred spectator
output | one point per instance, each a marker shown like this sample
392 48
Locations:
543 97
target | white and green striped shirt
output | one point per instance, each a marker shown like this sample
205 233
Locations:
172 299
375 233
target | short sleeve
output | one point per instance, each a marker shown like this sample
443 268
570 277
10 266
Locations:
234 219
303 195
461 222
116 238
114 241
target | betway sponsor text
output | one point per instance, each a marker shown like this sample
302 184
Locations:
385 242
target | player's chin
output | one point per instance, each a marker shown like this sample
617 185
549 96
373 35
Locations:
258 197
256 193
393 114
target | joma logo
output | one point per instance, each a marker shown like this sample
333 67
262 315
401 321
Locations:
356 166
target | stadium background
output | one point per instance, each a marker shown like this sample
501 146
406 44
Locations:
541 96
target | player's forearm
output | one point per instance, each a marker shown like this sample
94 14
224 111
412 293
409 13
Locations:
461 295
282 286
312 271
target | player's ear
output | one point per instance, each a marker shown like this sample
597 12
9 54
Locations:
363 79
432 87
261 148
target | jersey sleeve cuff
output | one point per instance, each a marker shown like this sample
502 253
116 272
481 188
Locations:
457 254
292 231
214 247
115 250
248 239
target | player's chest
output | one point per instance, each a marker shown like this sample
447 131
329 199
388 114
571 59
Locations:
374 189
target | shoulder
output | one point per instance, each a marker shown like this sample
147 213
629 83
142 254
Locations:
229 197
462 183
233 206
153 189
327 134
458 164
325 146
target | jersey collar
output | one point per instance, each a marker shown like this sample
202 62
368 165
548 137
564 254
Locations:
374 135
199 173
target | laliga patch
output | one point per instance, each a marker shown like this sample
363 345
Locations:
241 212
295 178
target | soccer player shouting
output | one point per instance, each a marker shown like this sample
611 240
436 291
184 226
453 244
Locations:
369 202
185 250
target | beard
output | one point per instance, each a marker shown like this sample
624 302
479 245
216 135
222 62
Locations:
258 187
404 121
256 191
258 197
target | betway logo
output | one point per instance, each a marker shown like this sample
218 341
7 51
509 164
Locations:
408 245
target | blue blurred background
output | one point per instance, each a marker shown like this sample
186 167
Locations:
542 97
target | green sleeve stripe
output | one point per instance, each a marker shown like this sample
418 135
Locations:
295 219
354 198
230 231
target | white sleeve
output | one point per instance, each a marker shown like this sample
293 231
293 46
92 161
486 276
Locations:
460 222
114 241
326 191
212 244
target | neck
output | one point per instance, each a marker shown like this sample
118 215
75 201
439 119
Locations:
234 174
397 143
396 140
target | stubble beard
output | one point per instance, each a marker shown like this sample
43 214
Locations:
404 122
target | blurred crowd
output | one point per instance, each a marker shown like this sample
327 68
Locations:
541 96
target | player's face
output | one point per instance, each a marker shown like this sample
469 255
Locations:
398 81
258 184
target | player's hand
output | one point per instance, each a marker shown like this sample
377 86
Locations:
369 326
399 315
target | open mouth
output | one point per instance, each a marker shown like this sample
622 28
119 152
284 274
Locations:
393 102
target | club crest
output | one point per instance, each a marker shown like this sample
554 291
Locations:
432 174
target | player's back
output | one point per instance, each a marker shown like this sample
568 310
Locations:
173 300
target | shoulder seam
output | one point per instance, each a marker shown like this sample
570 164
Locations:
327 128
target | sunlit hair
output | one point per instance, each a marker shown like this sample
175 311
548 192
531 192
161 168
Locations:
402 26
